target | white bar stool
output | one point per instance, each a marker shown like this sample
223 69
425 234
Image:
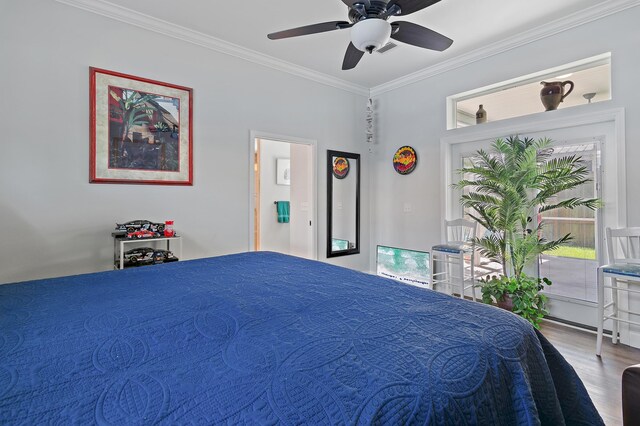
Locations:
621 269
450 257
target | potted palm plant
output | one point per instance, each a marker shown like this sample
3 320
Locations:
507 190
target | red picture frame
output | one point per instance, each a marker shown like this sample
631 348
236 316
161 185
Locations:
141 130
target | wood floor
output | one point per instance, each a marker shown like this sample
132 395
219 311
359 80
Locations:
601 376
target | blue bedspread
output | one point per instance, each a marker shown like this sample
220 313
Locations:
263 338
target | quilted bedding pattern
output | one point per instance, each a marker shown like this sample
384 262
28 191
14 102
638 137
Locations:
264 338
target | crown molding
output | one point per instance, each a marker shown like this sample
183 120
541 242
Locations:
141 20
555 27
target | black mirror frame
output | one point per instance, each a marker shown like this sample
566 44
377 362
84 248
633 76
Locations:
350 156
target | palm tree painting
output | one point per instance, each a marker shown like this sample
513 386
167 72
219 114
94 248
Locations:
140 130
143 130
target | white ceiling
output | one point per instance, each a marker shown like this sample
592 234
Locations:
470 23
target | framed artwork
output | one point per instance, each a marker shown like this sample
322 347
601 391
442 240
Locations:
283 171
140 130
405 160
340 167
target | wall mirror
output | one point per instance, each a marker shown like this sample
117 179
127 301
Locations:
343 203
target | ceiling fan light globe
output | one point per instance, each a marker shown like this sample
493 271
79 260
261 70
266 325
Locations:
370 34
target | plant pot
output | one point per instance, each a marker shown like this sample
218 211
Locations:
506 303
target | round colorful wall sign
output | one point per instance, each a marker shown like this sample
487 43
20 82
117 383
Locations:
340 167
405 160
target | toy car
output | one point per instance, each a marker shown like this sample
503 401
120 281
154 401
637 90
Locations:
163 256
146 256
138 256
135 225
142 233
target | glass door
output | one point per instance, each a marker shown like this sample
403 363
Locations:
572 268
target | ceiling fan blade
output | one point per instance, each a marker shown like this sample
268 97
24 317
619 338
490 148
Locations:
409 6
352 57
417 35
310 29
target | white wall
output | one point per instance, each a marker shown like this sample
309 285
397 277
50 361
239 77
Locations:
55 223
274 236
416 115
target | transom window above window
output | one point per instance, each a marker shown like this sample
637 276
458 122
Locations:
590 82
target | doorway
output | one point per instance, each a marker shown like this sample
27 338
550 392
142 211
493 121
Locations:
283 195
572 269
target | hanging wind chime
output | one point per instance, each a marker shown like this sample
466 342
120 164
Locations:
369 120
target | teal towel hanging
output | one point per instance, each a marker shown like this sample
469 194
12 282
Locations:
283 211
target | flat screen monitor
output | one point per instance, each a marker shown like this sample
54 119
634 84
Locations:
408 266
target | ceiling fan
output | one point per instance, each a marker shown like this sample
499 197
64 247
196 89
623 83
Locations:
370 29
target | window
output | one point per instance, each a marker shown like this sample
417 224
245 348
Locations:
518 97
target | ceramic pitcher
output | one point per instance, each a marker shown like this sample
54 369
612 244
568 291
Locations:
553 93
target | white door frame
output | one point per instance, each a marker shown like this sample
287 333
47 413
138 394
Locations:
255 134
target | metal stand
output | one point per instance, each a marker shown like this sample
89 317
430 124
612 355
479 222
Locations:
120 242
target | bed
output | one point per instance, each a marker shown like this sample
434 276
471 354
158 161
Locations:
265 338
